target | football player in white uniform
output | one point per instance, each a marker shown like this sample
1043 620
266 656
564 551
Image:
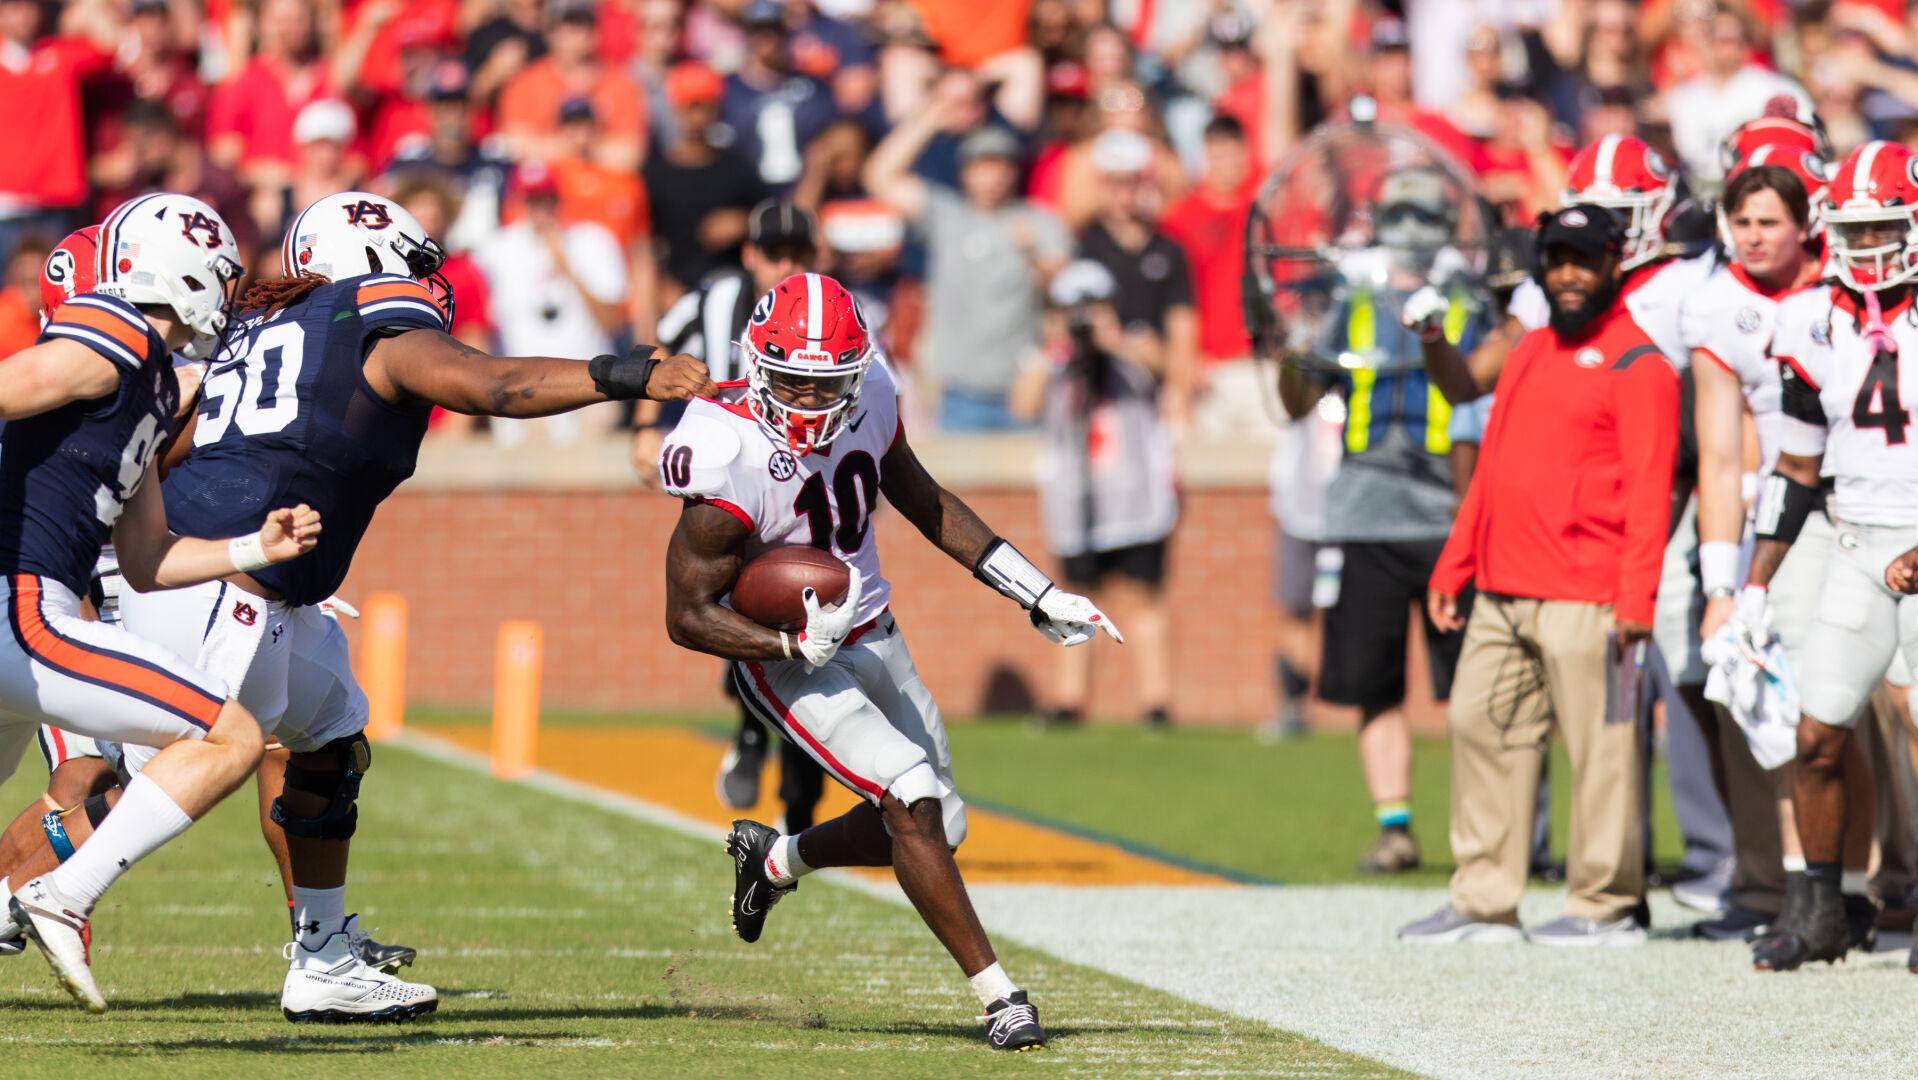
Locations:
798 455
1769 223
1840 350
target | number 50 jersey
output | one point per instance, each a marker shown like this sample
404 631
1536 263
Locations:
286 417
1843 399
721 454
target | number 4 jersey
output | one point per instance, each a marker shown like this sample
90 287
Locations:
66 474
721 454
286 417
1844 399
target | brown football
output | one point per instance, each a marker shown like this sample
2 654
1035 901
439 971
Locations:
768 588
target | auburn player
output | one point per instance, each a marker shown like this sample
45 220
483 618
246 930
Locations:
800 454
1843 388
323 398
86 410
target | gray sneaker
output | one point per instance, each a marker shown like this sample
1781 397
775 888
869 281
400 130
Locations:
1449 926
1710 893
1577 932
1737 924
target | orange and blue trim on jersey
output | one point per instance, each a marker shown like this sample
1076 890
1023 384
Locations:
112 328
90 663
383 293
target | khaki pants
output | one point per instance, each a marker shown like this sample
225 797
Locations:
1528 664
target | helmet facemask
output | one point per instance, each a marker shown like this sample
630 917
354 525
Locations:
1873 248
804 398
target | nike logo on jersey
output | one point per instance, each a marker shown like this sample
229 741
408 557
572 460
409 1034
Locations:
856 421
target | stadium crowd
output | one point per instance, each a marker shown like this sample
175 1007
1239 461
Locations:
1041 207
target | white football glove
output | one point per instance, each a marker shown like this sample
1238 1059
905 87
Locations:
1751 622
333 607
1070 619
1424 314
827 628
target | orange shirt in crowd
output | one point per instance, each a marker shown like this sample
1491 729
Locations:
970 32
45 163
605 196
19 321
529 103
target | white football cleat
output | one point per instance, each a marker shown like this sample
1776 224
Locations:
64 936
333 985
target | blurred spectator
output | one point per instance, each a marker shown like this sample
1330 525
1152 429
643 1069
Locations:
397 105
1123 107
700 189
959 97
1391 71
250 119
591 190
43 175
432 198
529 103
1108 491
500 47
371 58
447 147
1154 285
773 110
149 65
970 33
1521 170
154 155
833 164
1209 225
1729 91
322 165
1475 110
20 291
988 254
1609 64
834 53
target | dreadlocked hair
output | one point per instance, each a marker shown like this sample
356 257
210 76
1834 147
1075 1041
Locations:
280 292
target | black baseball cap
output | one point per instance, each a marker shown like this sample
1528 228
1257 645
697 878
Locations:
1586 228
574 110
777 222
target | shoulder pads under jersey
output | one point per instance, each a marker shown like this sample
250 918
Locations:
697 457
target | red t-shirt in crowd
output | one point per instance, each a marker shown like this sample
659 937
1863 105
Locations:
1210 227
418 21
259 106
1572 496
40 124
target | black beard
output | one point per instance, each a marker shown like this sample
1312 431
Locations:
1573 324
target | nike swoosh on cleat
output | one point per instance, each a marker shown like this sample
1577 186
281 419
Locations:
746 902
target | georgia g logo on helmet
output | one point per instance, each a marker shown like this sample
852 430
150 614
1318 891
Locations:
60 269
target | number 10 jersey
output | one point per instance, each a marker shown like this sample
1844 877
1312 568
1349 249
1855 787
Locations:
286 417
1843 399
721 454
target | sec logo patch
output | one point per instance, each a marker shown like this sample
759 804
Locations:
1821 333
782 465
1588 358
1748 321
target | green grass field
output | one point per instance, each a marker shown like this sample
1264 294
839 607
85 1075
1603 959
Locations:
570 941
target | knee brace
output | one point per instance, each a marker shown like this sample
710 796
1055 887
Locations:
920 783
953 809
338 784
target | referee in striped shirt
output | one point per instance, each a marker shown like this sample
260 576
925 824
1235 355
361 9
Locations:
707 322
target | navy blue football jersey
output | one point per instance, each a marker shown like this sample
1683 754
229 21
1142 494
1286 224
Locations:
286 417
66 474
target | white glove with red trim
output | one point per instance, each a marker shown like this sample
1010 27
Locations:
827 628
1070 619
333 607
1424 314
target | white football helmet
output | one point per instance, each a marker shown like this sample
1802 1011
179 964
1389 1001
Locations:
356 233
176 251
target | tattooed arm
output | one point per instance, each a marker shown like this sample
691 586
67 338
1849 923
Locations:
702 560
428 367
943 517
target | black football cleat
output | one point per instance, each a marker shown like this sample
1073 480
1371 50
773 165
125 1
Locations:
1797 899
1013 1024
1823 934
754 893
1861 920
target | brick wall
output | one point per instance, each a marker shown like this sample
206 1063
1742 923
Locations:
589 565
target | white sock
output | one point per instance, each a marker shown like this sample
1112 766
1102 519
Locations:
783 863
145 818
1854 882
318 914
992 984
1794 864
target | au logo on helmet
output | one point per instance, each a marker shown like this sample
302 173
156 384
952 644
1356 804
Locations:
368 213
196 222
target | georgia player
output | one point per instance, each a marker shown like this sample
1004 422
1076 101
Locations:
1768 219
86 411
1841 354
800 455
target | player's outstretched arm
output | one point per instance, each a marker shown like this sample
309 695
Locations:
703 559
153 558
434 368
51 374
946 520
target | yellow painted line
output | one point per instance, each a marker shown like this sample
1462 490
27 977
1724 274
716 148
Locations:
674 768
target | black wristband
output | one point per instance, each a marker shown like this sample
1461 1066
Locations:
1783 506
624 378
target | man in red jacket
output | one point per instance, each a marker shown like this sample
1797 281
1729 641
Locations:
1563 531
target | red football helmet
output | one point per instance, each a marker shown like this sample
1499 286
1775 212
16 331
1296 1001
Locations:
1770 130
807 351
1811 170
70 269
1871 217
1625 175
